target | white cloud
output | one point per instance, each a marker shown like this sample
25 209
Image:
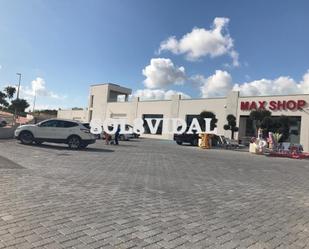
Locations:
38 88
158 94
215 85
280 86
235 58
162 72
221 83
45 99
201 42
304 84
170 93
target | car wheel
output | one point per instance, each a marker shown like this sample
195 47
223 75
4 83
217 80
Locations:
179 142
195 142
83 146
26 137
122 138
74 142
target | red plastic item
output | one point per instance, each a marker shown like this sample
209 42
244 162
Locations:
291 154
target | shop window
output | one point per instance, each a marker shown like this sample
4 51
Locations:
250 130
289 126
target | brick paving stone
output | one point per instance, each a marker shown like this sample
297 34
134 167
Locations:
150 194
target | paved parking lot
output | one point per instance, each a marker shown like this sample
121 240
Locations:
150 194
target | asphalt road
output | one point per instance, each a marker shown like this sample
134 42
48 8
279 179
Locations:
150 194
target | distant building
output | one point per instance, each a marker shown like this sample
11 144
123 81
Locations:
9 118
103 103
79 115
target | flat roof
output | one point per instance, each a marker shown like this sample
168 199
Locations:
108 83
275 95
219 97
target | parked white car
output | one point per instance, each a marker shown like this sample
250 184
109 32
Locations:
70 132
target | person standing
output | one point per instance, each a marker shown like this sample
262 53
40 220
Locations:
117 135
107 138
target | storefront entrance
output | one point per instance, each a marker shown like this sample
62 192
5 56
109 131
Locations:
287 125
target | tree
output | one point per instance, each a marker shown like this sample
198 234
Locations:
267 123
7 95
260 118
10 91
206 114
3 101
231 124
19 105
46 111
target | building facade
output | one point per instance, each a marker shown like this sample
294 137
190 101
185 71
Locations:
104 103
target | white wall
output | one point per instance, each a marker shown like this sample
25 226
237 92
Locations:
79 115
170 109
177 107
196 106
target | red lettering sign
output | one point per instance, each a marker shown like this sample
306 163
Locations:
300 104
281 105
262 104
244 105
291 105
253 105
273 105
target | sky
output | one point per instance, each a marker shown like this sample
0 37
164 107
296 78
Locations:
156 47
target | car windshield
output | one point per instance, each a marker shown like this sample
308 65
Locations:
87 125
48 123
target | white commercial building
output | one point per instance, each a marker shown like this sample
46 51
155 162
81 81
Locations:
104 103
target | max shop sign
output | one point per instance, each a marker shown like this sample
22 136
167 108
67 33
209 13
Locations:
273 105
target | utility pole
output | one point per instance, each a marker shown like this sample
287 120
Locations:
34 100
17 97
18 89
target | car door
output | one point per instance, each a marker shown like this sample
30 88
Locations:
65 129
47 130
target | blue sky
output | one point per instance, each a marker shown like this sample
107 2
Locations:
64 46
